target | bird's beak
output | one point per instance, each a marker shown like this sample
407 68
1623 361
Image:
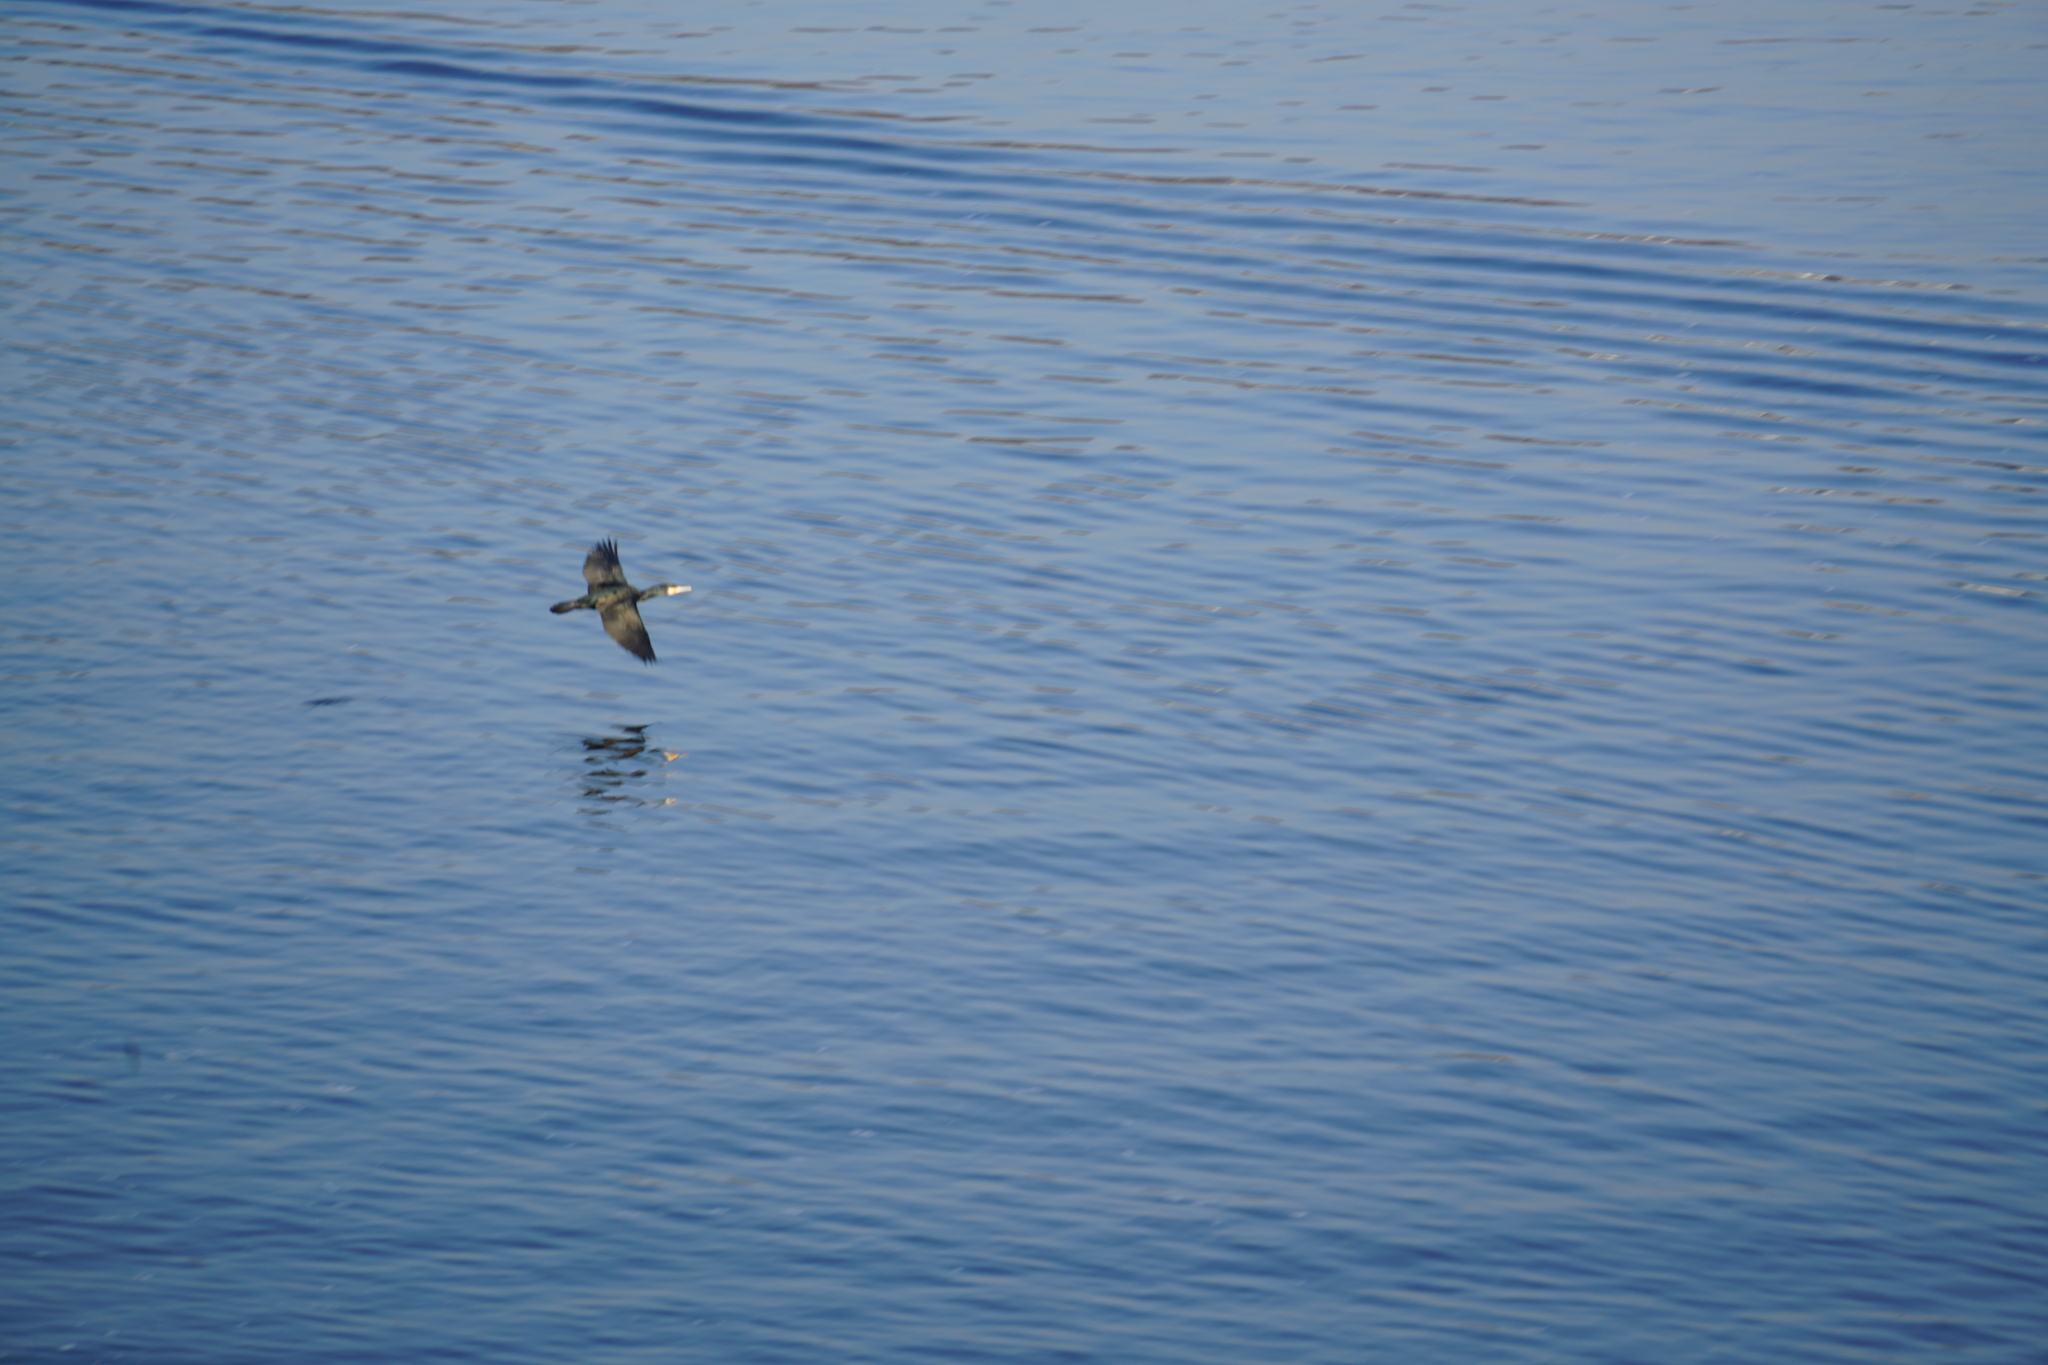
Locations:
673 590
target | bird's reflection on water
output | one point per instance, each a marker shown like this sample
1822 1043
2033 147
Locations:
615 765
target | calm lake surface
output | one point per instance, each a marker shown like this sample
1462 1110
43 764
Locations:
1361 686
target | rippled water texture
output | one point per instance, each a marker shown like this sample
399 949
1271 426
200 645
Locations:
1360 686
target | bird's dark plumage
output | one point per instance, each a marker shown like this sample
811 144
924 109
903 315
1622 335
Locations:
616 600
601 566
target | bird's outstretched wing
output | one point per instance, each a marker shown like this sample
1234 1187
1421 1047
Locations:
622 622
601 566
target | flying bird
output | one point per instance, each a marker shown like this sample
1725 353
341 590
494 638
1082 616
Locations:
618 601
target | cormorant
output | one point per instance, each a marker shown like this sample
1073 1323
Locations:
617 600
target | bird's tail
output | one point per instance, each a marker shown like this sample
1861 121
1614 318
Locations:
561 607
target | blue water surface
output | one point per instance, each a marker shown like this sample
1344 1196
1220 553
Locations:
1359 686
